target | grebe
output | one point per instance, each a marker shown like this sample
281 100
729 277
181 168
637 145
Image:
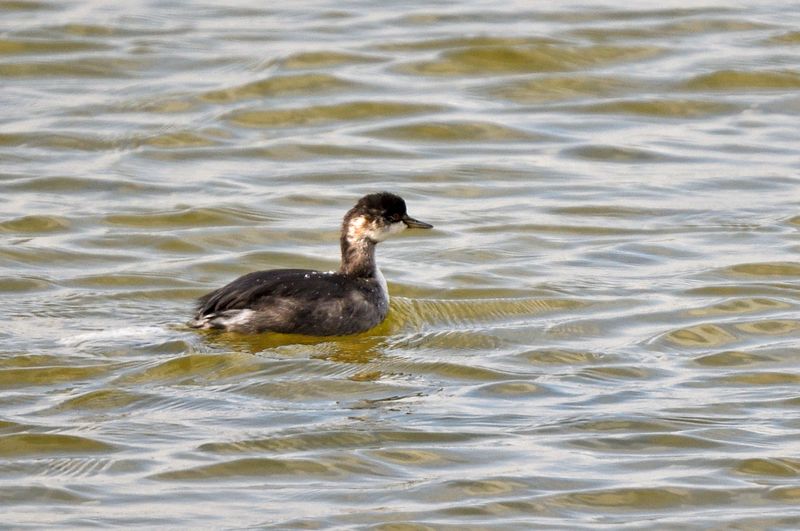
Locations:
302 301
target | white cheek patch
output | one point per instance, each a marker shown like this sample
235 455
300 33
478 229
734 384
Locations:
397 227
380 234
360 229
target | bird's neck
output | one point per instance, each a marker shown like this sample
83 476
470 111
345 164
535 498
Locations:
358 257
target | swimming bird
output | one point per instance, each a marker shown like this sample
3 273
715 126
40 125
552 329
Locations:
303 301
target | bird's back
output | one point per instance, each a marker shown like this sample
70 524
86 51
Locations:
298 301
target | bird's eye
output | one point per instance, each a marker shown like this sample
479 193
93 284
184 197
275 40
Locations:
396 217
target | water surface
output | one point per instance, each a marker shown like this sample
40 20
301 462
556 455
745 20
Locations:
601 331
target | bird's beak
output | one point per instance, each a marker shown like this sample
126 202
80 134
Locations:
415 223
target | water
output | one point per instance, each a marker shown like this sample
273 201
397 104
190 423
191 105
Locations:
601 332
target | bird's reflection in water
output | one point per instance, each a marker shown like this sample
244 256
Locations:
360 348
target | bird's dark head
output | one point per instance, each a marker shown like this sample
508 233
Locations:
377 216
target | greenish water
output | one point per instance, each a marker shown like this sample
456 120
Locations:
602 331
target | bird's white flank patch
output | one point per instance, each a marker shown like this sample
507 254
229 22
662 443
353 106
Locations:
235 319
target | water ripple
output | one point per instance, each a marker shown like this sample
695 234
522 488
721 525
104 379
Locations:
601 330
